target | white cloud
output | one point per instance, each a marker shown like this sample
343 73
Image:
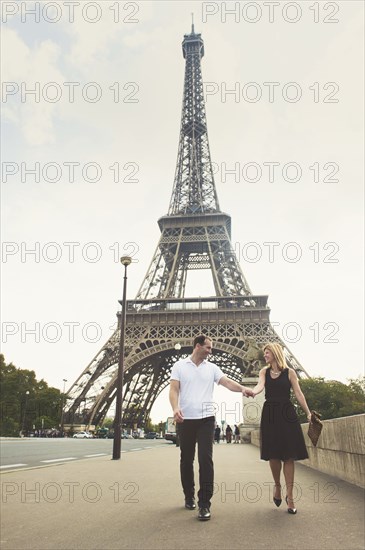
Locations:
31 69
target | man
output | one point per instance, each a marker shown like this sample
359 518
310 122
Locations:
191 397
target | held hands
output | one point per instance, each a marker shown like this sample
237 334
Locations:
247 392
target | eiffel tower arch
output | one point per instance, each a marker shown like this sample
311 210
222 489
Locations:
161 322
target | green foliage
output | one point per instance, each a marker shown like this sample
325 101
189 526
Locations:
332 399
108 422
161 427
20 411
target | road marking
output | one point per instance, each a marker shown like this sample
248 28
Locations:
139 449
99 454
12 466
58 459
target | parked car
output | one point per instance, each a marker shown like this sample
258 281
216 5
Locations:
170 437
123 435
102 433
83 435
152 435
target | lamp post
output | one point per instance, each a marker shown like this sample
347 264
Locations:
63 403
25 410
125 260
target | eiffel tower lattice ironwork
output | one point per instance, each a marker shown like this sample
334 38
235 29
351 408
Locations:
195 234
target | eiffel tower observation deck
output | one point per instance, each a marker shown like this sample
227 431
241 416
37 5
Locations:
162 321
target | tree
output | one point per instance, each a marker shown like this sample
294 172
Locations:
161 426
332 399
108 423
150 427
24 401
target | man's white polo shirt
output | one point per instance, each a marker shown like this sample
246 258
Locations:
196 387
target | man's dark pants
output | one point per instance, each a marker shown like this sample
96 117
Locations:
198 431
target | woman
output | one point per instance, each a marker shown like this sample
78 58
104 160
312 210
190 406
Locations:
281 435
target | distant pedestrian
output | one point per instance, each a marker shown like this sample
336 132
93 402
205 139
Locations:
236 434
228 433
217 434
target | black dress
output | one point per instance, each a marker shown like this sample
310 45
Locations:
281 433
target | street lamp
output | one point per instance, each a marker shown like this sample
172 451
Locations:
125 260
63 403
25 409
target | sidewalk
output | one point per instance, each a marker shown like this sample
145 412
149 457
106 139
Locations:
137 503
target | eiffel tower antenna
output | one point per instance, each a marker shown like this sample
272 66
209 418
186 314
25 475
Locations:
195 234
192 24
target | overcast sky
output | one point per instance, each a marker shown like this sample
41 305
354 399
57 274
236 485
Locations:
103 125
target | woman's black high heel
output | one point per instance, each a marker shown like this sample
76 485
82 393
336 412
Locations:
290 510
277 501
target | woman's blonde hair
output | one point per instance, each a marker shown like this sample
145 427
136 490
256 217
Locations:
278 354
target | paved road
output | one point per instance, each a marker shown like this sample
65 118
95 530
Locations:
29 453
136 503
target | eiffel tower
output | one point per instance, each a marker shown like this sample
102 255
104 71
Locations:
161 322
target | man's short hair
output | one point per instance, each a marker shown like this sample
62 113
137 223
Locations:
201 340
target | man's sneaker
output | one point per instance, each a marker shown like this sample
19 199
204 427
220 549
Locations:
204 514
190 503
